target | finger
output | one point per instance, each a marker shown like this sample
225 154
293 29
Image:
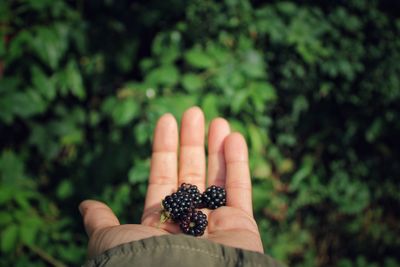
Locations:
192 162
238 182
96 216
216 170
163 178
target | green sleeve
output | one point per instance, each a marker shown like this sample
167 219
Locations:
179 250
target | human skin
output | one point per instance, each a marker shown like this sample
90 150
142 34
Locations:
232 225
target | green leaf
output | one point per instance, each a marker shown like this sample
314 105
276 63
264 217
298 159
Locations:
74 80
262 169
139 172
146 64
74 136
199 59
256 138
210 106
39 5
5 218
9 84
42 83
300 104
253 64
26 104
18 45
166 45
167 75
302 173
29 229
175 104
374 130
261 194
286 139
236 79
43 139
121 198
239 100
126 56
108 104
141 132
50 43
6 13
221 54
22 199
6 109
238 126
6 193
350 195
11 167
192 82
261 93
9 237
125 111
65 189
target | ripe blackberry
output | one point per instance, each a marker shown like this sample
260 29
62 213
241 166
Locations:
214 197
194 223
176 205
194 194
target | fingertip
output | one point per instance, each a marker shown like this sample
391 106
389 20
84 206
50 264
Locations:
192 115
96 215
220 123
87 204
166 134
166 120
196 109
84 205
168 116
236 137
218 131
235 148
81 207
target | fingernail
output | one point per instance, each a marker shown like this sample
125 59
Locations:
80 209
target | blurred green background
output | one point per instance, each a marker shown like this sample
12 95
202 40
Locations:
313 85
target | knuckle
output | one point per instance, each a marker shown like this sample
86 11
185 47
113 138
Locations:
242 185
192 177
162 180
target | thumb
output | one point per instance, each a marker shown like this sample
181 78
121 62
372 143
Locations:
96 215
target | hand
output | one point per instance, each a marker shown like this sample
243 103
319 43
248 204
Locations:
232 225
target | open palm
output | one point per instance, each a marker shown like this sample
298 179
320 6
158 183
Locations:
233 225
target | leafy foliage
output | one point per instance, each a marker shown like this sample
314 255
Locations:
313 86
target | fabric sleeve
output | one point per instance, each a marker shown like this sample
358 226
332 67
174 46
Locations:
179 250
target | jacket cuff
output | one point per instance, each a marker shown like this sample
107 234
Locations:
179 250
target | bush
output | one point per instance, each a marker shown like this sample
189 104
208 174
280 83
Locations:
314 87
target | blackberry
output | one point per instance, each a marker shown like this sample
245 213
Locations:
194 223
214 197
194 194
176 205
